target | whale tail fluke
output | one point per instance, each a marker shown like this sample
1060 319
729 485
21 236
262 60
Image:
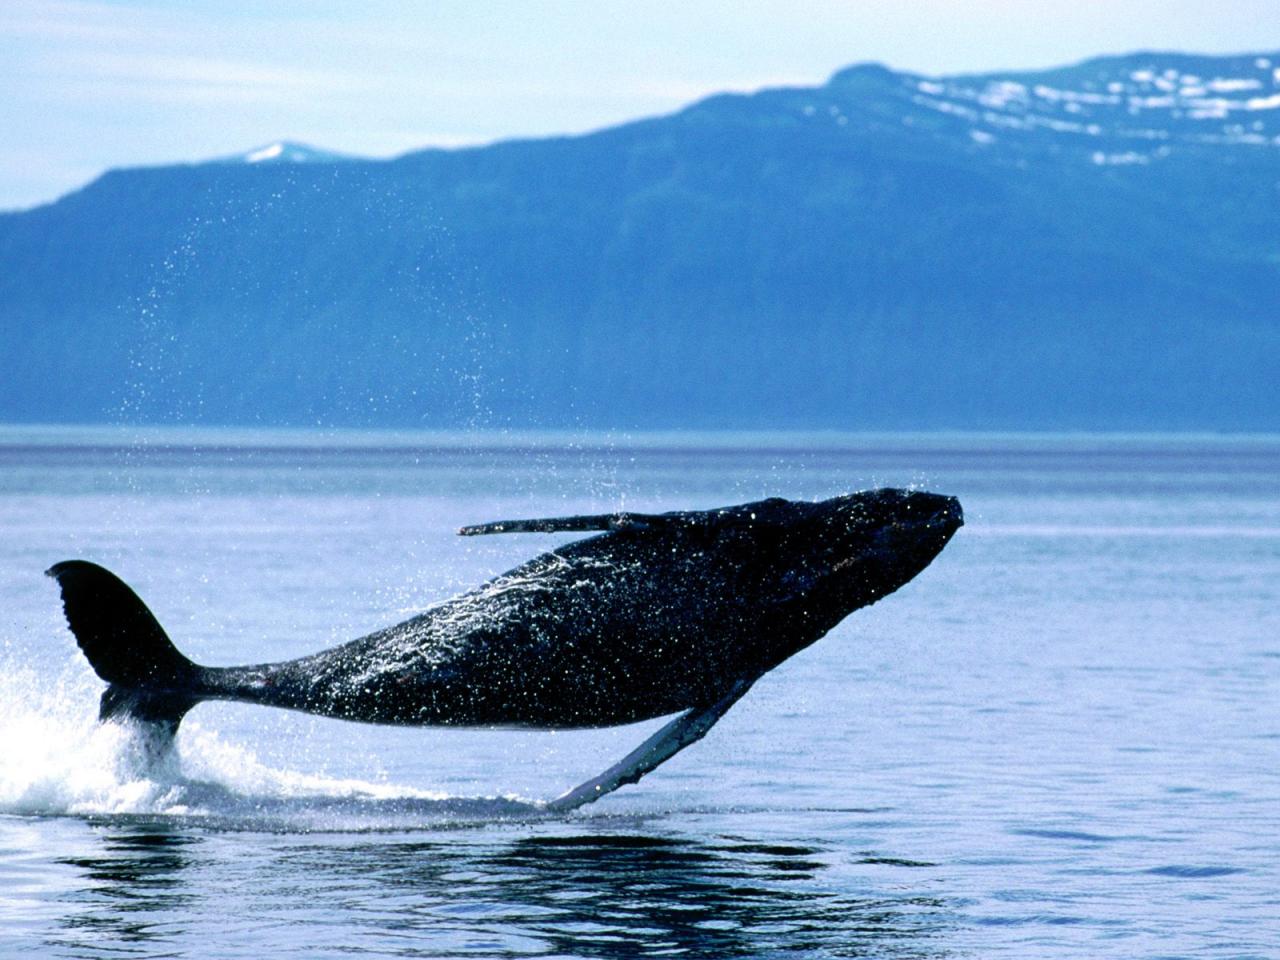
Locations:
150 681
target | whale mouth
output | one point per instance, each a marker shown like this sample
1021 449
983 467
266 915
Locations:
931 510
892 522
938 510
947 517
951 514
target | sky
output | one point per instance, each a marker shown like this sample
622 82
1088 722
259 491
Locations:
88 85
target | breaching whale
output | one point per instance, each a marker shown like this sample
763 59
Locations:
657 614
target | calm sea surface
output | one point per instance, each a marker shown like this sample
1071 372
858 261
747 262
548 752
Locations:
1061 740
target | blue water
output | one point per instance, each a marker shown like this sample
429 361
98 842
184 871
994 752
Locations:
1061 740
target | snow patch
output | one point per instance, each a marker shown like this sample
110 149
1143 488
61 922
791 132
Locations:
1074 96
264 153
999 94
1151 103
1221 85
1118 159
946 106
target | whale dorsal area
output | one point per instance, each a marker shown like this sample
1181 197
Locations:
591 522
625 521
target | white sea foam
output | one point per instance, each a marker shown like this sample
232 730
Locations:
58 759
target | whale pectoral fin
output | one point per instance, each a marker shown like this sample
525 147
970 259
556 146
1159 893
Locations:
688 728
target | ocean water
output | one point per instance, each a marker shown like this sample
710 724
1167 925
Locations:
1061 740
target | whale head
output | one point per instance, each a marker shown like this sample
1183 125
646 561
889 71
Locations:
802 567
852 550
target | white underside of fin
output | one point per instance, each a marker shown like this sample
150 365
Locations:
688 728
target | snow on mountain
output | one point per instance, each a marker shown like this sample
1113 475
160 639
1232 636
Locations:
1130 109
288 151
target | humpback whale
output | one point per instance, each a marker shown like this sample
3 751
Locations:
656 614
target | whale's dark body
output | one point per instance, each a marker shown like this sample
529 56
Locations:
657 614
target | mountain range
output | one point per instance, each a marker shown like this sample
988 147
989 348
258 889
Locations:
1092 247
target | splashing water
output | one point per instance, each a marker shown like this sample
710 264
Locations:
60 761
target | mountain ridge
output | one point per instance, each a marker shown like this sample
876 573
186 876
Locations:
868 253
862 68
